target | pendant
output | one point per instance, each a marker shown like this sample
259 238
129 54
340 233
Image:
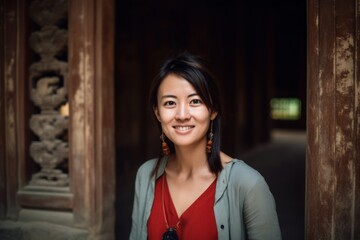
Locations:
170 234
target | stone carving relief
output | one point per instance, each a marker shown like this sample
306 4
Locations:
48 95
48 78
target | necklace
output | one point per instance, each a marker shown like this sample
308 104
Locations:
170 233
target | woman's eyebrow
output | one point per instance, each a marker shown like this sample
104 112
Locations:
173 96
168 96
192 95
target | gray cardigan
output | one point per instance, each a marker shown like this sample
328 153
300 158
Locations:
244 206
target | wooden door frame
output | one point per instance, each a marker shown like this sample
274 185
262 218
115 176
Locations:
91 122
333 118
91 52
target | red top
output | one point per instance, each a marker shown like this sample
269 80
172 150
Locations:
197 222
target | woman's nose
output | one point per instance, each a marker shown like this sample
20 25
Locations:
183 113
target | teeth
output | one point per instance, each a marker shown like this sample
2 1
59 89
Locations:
183 128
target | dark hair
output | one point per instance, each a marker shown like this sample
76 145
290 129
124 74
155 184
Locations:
194 70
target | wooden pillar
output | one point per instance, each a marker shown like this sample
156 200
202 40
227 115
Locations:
333 152
11 60
91 93
87 202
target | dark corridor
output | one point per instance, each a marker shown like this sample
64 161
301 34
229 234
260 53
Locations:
257 50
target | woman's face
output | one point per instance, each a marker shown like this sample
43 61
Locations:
183 116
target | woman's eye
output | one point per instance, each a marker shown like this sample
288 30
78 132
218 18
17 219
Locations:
169 103
196 101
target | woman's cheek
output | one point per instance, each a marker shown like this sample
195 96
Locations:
166 115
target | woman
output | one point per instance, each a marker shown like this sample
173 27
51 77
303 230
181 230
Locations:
195 191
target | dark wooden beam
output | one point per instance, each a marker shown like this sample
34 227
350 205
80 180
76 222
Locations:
333 121
91 96
10 75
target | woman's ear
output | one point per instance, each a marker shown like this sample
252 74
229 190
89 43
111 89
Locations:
213 115
156 112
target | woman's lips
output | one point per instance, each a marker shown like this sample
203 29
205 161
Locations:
183 128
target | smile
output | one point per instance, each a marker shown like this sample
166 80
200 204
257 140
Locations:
183 128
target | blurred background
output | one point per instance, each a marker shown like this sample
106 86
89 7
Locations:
257 51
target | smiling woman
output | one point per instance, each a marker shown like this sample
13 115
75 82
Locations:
193 180
195 75
183 116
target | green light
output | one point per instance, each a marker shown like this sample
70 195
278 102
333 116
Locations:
285 108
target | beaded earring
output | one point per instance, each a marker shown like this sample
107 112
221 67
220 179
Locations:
165 147
210 141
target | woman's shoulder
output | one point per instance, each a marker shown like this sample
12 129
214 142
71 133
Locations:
246 170
145 171
148 164
148 167
237 169
243 174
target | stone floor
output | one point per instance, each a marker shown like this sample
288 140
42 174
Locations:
282 163
10 230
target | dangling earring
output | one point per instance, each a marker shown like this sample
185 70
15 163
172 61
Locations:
210 142
164 145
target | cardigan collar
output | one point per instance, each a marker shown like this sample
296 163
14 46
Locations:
222 179
161 169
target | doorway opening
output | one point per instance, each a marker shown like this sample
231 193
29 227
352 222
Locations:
257 51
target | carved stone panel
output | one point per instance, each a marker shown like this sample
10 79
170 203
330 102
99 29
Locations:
48 78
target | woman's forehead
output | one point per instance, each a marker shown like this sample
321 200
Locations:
174 84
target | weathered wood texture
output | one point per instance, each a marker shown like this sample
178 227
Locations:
89 200
2 113
332 202
91 59
10 51
357 123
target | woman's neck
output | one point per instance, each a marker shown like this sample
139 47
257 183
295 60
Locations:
188 162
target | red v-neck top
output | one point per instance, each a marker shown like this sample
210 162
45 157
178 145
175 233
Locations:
197 222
